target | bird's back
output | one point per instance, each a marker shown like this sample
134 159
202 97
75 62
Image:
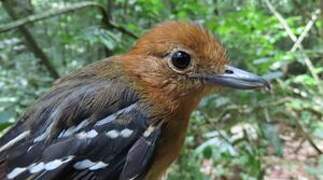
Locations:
89 121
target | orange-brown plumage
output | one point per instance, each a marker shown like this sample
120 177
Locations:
163 83
145 97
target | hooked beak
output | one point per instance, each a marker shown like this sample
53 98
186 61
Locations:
237 78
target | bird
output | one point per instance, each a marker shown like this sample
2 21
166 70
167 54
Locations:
124 117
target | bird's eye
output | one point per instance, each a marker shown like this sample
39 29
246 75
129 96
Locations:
180 60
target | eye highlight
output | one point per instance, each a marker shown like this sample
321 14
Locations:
180 60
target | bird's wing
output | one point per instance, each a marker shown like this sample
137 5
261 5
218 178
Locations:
96 129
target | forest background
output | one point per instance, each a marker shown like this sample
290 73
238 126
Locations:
232 135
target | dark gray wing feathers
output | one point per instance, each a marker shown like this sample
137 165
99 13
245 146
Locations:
95 130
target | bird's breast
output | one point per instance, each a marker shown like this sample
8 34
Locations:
172 139
168 148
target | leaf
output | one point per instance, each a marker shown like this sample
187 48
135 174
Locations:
207 152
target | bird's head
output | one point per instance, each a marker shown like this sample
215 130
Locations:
179 61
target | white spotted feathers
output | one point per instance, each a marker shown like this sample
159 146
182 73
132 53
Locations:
90 165
56 163
38 167
123 133
15 140
89 134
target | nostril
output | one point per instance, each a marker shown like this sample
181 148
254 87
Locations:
228 71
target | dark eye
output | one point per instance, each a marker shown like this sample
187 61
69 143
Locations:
181 60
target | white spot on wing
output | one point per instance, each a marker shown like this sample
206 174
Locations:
68 158
83 164
129 108
112 134
149 131
126 132
115 115
53 164
90 134
12 142
35 168
16 172
88 164
106 120
71 130
81 125
98 165
45 134
38 167
30 147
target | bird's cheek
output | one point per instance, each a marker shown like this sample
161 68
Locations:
207 90
198 88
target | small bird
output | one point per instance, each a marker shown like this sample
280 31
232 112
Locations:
124 117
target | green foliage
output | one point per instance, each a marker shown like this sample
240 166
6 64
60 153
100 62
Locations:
232 132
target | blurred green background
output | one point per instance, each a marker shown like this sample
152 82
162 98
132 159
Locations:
233 134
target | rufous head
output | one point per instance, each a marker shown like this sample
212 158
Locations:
180 59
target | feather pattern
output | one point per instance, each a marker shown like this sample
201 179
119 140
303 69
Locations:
81 131
138 157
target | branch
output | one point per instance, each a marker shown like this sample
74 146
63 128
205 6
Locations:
282 21
299 126
31 42
307 136
44 15
64 10
307 28
123 30
290 33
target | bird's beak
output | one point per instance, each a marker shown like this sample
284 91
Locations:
237 78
